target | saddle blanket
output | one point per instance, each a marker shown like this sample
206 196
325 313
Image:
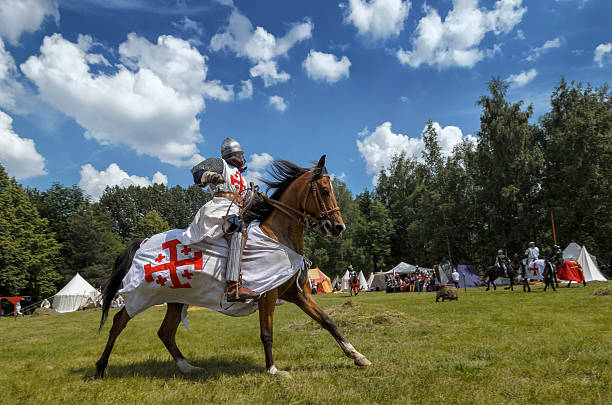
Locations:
535 269
165 269
571 271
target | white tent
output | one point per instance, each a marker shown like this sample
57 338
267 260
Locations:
370 279
589 268
572 251
345 284
363 283
76 294
402 268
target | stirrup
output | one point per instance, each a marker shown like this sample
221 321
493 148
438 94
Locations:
239 293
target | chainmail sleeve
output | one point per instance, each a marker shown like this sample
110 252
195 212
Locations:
209 165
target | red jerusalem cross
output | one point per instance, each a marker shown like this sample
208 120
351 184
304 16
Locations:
534 268
172 264
238 182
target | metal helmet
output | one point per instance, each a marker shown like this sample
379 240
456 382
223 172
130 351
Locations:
500 252
229 146
531 244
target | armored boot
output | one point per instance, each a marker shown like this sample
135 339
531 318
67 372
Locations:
235 292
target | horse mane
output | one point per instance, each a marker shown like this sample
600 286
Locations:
281 175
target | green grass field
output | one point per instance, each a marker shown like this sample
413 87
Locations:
487 348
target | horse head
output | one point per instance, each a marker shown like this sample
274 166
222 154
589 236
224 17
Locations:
321 204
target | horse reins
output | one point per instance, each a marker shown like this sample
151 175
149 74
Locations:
299 216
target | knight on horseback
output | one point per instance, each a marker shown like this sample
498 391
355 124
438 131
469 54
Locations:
558 256
501 261
532 253
220 217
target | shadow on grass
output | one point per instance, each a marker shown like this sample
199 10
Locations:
212 368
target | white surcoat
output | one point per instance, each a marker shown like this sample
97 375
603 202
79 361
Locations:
208 221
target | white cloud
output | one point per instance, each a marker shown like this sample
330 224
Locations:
246 92
18 16
382 144
455 41
267 69
188 25
10 88
150 103
258 45
535 53
257 165
277 102
602 52
93 182
522 78
325 66
18 155
216 90
520 35
379 18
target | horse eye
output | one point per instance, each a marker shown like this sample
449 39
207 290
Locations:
325 191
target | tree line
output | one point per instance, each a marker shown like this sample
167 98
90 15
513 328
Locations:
496 193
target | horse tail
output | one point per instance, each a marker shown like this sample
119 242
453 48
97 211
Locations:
121 267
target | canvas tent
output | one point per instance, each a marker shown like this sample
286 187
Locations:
370 279
589 268
468 273
591 271
363 283
323 282
572 251
402 268
379 282
76 294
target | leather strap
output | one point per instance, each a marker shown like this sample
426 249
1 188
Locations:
230 196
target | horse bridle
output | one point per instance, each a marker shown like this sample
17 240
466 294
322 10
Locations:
299 216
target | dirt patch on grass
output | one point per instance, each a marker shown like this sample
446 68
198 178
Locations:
603 291
351 317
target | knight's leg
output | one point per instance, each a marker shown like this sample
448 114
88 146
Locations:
308 305
120 320
235 291
167 334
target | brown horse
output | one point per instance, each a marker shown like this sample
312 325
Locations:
300 193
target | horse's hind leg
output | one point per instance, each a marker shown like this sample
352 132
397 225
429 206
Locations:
167 334
120 320
308 305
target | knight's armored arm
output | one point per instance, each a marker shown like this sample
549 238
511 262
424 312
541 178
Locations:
209 171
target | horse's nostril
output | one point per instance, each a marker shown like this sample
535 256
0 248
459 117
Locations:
340 228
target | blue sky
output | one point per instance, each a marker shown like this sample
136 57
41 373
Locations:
97 92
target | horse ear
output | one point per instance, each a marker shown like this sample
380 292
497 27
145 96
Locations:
321 161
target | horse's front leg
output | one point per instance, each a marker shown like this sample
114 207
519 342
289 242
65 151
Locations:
305 301
267 303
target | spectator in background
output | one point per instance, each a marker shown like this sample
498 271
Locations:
455 276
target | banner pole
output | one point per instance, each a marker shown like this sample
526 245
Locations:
552 218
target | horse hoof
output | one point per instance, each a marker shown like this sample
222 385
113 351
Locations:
274 372
187 368
362 362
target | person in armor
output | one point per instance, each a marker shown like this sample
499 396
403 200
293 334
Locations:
501 261
220 216
532 253
558 256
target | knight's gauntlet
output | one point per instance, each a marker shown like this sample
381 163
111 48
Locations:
211 178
